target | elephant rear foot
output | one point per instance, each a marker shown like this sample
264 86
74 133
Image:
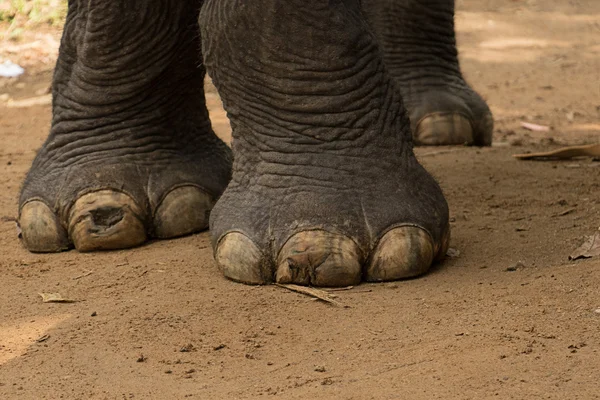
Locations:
417 39
131 154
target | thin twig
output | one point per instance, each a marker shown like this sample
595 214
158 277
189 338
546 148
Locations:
566 212
88 273
340 289
312 292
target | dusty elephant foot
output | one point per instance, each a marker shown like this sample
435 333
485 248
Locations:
111 219
325 188
417 40
448 115
104 206
131 154
322 258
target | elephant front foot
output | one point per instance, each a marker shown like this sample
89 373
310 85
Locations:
131 154
322 258
120 200
338 229
325 189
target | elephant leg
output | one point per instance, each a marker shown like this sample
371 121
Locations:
131 153
418 42
325 188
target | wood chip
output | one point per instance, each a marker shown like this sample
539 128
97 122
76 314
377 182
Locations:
55 298
312 292
535 127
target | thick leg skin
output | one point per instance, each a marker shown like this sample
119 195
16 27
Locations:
418 42
131 153
325 189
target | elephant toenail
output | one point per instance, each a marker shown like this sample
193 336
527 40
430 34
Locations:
41 231
402 252
319 258
105 217
241 260
444 129
184 210
106 220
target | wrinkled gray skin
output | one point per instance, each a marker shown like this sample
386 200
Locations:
323 188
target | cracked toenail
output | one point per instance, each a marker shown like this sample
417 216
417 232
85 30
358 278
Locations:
319 258
106 220
105 217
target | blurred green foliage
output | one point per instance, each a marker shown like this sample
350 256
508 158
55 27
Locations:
19 15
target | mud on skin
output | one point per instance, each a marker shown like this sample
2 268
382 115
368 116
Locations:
325 189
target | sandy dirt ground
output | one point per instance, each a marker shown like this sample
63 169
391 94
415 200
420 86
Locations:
509 318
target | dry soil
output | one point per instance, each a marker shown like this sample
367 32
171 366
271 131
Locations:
509 318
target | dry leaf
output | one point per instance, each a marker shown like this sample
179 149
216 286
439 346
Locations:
55 298
589 248
592 150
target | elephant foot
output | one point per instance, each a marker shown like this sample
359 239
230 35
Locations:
338 229
447 115
108 219
323 258
131 154
113 204
325 189
418 43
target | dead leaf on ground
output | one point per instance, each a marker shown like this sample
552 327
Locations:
55 298
592 150
589 248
